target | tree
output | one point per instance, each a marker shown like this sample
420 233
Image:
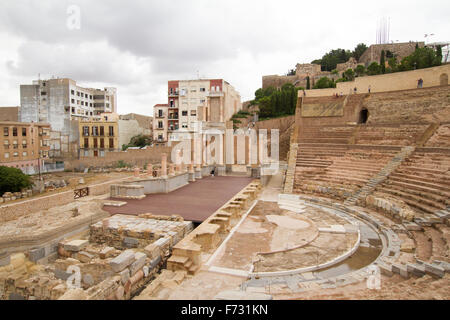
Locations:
13 180
291 72
439 52
419 59
308 83
383 62
373 69
360 70
139 141
324 82
359 50
349 75
330 60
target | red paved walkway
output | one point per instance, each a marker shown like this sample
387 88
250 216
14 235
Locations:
194 202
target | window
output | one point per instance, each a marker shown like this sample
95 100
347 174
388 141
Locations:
102 130
160 113
24 153
78 93
72 101
72 92
24 132
86 153
86 143
6 132
90 97
6 144
111 131
15 154
24 144
193 113
73 110
202 89
15 144
160 124
14 132
111 143
184 113
85 131
82 103
95 143
184 125
171 104
202 100
6 155
78 102
95 131
102 143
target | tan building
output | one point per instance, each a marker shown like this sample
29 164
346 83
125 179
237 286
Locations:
9 114
98 137
25 145
192 102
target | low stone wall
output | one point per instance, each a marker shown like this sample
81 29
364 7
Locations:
162 185
13 211
127 191
139 158
397 209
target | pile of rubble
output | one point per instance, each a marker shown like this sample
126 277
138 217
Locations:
11 196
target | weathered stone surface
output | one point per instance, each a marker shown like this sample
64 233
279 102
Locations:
155 262
62 274
5 260
84 256
122 261
88 279
15 296
124 275
139 262
76 245
434 270
74 294
106 252
153 251
36 254
130 242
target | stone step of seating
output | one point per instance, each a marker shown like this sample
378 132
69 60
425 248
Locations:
406 185
417 181
426 178
322 140
438 244
409 168
415 193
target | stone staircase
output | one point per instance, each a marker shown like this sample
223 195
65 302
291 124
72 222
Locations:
182 263
381 176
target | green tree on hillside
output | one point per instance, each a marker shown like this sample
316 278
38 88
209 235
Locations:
383 62
360 70
324 82
359 50
373 69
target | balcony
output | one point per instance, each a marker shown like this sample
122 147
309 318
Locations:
171 117
173 94
160 116
215 94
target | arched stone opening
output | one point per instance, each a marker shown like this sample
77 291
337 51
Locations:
363 116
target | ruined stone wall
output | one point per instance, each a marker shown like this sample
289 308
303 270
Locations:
386 82
133 157
401 50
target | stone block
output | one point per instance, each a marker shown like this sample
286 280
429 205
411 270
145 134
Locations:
153 251
385 269
400 269
88 279
155 262
129 242
122 261
76 245
5 259
124 275
84 256
36 254
416 270
434 270
106 252
16 296
138 263
61 274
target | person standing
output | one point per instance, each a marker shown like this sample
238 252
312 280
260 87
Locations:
369 88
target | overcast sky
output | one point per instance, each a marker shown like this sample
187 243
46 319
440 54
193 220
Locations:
138 45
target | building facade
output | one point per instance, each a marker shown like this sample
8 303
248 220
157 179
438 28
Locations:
25 145
9 114
97 137
160 123
132 124
191 102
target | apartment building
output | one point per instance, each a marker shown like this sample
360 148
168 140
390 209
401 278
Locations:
25 145
194 101
56 101
97 137
160 123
